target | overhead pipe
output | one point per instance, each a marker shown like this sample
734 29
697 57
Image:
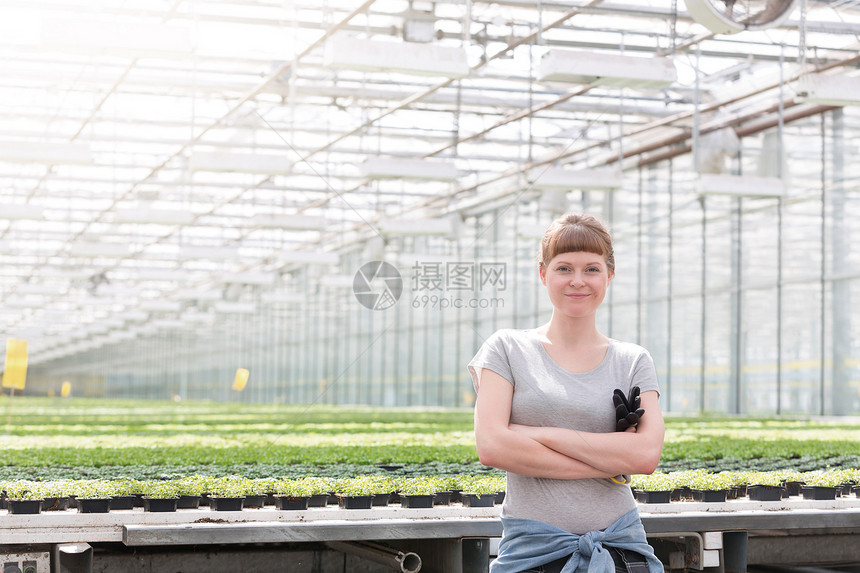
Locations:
398 560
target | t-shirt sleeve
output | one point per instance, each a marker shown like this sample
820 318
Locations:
492 355
644 373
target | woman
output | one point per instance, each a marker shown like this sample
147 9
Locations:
545 414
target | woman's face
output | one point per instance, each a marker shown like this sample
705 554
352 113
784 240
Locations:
576 282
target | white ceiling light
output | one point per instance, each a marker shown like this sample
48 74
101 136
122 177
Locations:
337 281
168 323
740 186
560 178
21 211
250 278
240 162
45 152
146 215
135 315
193 252
396 168
160 306
41 288
201 295
283 297
609 70
439 226
87 249
197 316
348 53
228 307
156 274
292 222
829 90
322 257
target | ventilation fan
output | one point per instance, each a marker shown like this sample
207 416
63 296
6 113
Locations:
733 16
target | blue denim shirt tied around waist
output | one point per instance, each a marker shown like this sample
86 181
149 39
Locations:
527 544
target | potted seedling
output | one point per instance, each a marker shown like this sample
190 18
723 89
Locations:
653 488
479 491
126 493
709 487
822 485
93 496
765 486
292 494
23 497
420 491
160 495
319 489
358 492
55 495
228 493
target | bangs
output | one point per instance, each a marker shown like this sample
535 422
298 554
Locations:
573 238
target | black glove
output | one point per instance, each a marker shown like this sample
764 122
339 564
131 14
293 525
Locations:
627 410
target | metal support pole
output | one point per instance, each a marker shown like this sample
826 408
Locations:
397 560
704 304
842 399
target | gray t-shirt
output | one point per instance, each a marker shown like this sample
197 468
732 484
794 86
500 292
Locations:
545 394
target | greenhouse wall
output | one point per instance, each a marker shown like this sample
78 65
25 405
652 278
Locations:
744 302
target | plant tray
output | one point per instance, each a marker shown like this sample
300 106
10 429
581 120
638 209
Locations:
473 500
818 492
765 492
94 505
290 503
123 502
226 503
25 506
355 502
159 504
417 501
654 496
710 495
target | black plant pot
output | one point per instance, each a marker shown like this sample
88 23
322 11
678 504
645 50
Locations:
123 502
764 492
290 503
793 487
417 501
255 500
442 498
474 500
159 504
188 502
55 504
94 505
380 499
711 495
355 501
318 500
818 492
226 503
25 506
654 496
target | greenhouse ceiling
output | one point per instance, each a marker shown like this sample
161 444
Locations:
157 158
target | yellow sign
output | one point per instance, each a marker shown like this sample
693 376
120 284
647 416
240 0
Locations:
15 374
66 389
241 379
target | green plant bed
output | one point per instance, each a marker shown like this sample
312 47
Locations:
50 439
